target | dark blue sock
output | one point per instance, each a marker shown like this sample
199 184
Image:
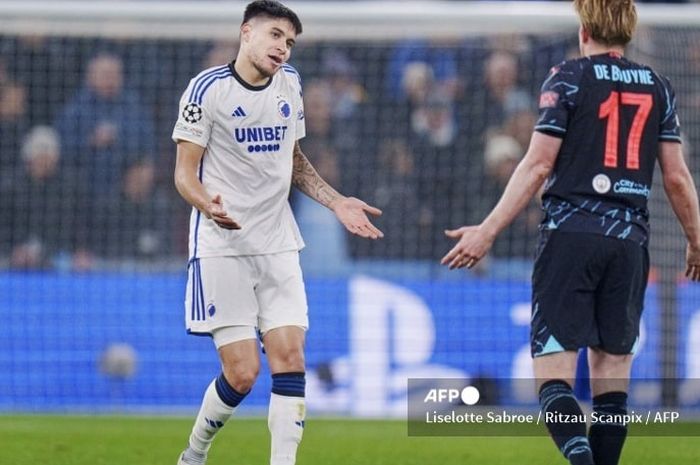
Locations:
607 435
289 384
227 393
565 421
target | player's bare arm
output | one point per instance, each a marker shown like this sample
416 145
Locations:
191 189
681 192
475 241
350 211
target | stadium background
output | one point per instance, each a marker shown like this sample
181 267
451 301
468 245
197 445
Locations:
425 120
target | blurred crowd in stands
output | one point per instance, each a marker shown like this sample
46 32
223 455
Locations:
427 131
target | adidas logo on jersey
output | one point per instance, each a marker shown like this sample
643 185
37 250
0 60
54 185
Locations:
238 112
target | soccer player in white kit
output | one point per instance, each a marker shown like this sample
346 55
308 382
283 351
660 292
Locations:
237 157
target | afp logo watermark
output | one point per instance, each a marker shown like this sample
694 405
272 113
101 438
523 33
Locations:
468 395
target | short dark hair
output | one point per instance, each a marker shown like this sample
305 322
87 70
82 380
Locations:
274 9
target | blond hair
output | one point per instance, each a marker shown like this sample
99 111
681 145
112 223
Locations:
610 22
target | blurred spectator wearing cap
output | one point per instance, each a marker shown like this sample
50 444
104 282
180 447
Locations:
38 203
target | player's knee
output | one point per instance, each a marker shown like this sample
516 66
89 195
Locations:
241 377
603 364
291 360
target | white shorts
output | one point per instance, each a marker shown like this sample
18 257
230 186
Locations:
254 291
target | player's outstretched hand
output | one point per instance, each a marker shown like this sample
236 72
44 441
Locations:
217 212
352 213
692 256
471 247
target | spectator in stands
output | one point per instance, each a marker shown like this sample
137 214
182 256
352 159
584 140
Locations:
417 81
48 67
407 217
13 122
108 142
437 142
502 89
348 94
348 106
439 56
37 203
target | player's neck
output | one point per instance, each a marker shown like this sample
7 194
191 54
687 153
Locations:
600 49
249 73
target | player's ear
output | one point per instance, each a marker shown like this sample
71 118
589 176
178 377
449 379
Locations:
583 35
245 31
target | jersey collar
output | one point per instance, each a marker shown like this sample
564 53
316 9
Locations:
242 82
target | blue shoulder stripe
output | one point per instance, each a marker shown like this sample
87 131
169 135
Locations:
290 69
200 94
203 76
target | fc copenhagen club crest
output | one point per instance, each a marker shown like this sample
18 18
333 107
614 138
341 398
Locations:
192 113
284 108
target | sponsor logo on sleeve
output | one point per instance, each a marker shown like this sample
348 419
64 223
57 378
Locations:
187 129
192 113
549 99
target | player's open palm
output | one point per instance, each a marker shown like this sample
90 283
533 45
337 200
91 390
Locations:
471 247
353 212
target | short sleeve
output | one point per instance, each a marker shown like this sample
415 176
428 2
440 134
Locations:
558 99
194 120
669 127
294 79
300 121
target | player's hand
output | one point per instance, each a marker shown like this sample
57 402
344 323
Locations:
692 257
217 213
352 213
471 247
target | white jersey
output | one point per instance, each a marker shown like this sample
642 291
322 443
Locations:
249 134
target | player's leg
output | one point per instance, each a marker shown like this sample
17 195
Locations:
283 322
221 302
620 300
240 362
555 373
609 384
564 283
285 353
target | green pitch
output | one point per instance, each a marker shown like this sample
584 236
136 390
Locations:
102 440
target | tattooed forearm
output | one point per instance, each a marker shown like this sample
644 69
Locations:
306 179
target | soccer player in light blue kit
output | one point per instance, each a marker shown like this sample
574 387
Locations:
237 157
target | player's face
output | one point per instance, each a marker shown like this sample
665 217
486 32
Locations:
269 42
